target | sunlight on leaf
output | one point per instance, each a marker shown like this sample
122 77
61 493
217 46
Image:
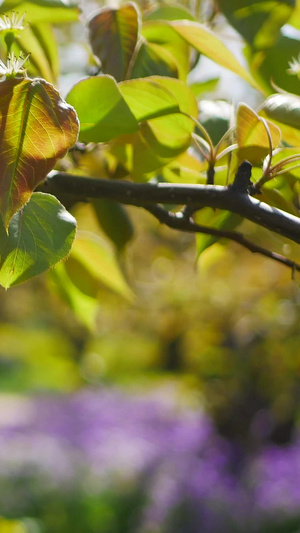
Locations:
53 11
102 110
39 235
148 98
206 42
37 128
251 135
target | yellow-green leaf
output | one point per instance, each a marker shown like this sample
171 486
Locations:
102 110
252 136
206 42
99 260
148 98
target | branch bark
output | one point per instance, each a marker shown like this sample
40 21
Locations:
146 194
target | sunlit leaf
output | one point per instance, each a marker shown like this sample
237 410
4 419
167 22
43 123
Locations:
115 221
37 128
182 92
100 262
168 12
148 98
39 235
206 42
113 35
153 59
53 11
284 110
251 135
102 111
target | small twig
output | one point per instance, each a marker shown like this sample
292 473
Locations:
180 222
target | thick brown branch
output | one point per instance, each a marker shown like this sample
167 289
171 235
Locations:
179 222
143 194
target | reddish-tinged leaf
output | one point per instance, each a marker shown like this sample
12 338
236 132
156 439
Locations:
36 128
113 35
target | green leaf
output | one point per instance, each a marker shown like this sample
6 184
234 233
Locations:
252 137
182 92
83 305
270 66
102 111
148 98
153 59
144 159
258 22
168 136
99 260
216 219
165 36
206 42
51 11
39 235
199 88
168 12
284 110
37 128
295 18
115 221
113 36
185 169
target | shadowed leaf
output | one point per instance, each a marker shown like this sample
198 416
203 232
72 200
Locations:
36 128
284 110
115 221
40 234
153 59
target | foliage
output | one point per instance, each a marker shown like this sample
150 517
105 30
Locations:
136 116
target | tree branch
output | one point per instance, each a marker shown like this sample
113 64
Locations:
180 222
145 194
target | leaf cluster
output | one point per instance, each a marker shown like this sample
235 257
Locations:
135 116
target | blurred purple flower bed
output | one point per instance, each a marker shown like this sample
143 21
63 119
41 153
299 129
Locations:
106 461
